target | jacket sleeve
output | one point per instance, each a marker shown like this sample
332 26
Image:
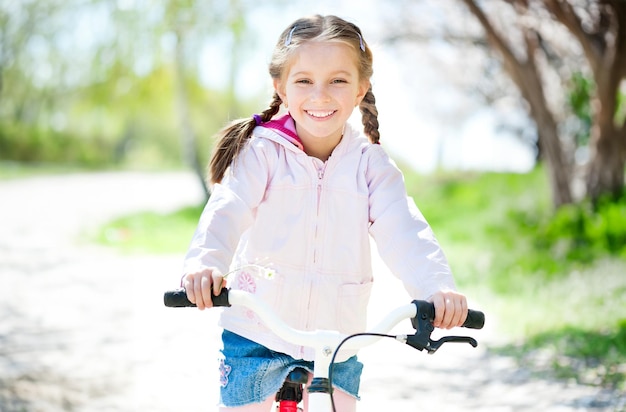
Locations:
404 239
229 211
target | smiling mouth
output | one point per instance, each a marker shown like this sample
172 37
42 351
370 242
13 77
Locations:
321 114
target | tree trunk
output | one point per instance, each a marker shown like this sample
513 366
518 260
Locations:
527 78
605 175
559 171
188 137
604 45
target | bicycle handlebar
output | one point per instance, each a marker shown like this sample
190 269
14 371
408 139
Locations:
178 299
327 343
421 313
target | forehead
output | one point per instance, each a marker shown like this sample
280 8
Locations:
323 56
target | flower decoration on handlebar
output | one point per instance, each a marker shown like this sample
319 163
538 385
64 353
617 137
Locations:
249 272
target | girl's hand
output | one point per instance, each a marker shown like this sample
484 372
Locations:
450 309
202 285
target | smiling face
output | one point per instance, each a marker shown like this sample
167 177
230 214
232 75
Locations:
321 89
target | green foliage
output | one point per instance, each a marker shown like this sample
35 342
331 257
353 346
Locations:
574 235
595 345
471 216
579 96
582 233
150 232
580 102
17 170
34 145
505 221
124 120
111 97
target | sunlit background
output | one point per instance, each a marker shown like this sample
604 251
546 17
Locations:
110 69
508 119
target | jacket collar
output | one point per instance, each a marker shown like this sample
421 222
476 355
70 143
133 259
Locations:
286 128
283 131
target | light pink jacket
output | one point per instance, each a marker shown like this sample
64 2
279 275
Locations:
310 222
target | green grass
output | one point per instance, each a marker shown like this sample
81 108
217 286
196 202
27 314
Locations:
152 233
589 356
493 228
16 170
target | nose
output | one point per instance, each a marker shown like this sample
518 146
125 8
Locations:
320 94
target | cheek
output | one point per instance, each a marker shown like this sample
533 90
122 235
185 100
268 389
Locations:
353 98
294 96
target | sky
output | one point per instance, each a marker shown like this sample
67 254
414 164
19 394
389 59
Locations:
411 130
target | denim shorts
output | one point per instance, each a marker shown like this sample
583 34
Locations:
250 373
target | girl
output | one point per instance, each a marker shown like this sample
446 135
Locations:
305 191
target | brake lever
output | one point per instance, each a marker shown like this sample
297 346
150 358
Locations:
422 322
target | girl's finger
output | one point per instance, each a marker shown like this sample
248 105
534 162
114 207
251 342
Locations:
206 291
438 301
197 289
218 283
188 284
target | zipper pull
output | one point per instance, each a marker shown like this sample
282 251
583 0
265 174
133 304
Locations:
321 171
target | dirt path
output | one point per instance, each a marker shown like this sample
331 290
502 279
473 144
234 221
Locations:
82 328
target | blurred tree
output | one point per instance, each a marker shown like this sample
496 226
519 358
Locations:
524 70
555 52
579 100
124 77
181 19
600 29
23 43
191 22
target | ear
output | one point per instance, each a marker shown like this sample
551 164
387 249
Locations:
280 90
364 86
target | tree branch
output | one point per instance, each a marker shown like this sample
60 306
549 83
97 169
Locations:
593 45
491 32
509 58
410 36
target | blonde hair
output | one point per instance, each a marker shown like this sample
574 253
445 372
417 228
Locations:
315 28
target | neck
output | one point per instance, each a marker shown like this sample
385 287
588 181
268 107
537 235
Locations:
320 147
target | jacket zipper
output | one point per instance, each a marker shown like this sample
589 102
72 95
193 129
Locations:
320 176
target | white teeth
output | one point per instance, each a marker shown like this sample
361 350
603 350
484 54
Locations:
320 114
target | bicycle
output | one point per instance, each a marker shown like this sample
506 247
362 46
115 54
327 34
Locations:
328 343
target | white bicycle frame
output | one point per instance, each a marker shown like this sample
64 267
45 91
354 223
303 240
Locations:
325 342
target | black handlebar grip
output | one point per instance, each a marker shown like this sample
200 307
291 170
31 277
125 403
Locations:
426 310
475 319
178 299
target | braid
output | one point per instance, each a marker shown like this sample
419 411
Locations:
369 114
232 139
274 108
229 144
